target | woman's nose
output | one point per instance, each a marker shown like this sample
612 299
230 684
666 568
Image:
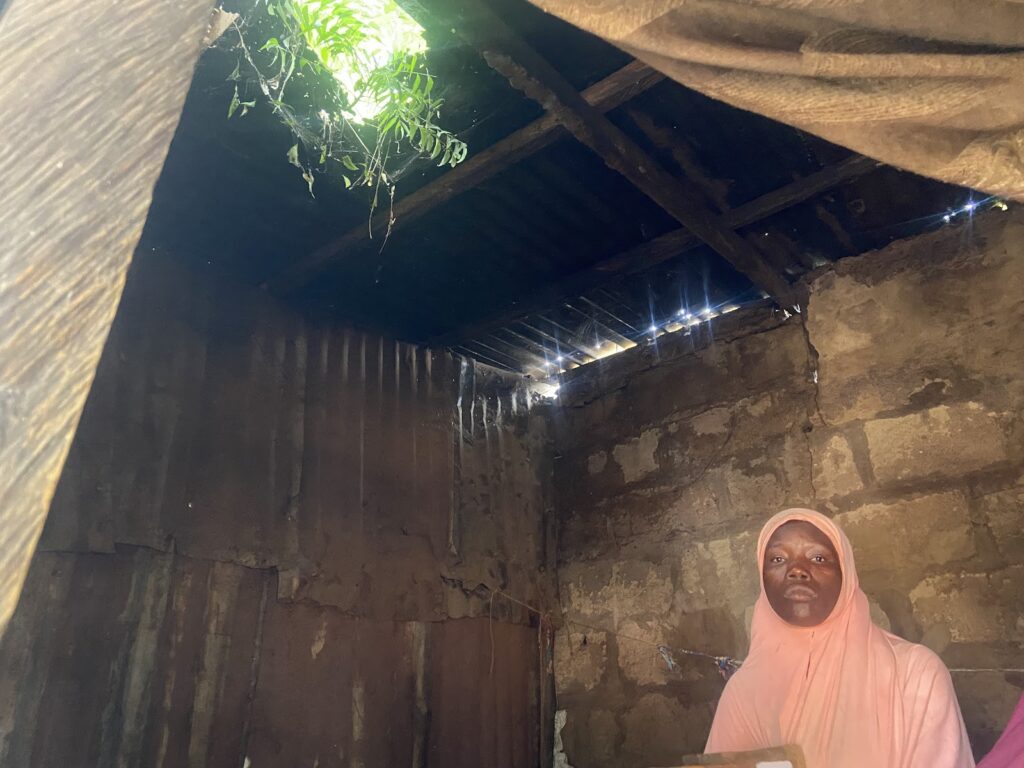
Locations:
798 573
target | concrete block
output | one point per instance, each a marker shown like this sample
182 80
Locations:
720 631
905 326
1004 514
659 730
702 502
900 540
834 467
755 488
606 592
735 491
590 738
714 421
947 441
975 607
603 736
636 457
580 657
721 573
639 659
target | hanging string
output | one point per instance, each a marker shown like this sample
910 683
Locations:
490 630
725 665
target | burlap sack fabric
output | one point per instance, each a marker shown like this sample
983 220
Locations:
931 86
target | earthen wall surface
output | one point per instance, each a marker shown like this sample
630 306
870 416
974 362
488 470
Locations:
893 402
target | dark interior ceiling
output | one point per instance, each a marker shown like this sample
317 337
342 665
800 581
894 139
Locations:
555 253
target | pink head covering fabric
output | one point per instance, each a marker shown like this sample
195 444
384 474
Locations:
1009 750
848 692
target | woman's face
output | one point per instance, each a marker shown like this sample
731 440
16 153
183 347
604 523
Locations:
802 577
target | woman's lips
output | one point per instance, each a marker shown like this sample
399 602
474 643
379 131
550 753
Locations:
798 593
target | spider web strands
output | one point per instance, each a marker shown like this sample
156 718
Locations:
614 90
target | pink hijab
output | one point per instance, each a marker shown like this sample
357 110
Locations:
848 692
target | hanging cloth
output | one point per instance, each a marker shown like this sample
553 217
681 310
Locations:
931 86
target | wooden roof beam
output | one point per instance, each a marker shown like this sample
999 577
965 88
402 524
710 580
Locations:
530 73
668 246
713 190
615 90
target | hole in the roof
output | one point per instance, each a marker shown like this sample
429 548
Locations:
356 40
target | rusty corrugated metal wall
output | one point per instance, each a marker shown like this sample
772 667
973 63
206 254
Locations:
154 659
274 541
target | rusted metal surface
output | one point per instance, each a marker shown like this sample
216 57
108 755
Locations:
224 427
333 691
250 553
134 658
147 658
484 700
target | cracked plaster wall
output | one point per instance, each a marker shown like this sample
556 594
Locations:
893 402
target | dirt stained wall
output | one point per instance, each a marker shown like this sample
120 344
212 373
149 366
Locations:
272 541
893 403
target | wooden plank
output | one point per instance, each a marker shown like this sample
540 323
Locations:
793 755
530 73
613 91
90 103
661 249
800 190
714 191
676 145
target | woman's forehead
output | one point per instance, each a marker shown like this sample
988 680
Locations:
800 531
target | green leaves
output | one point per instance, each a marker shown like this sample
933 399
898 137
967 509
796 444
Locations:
365 98
236 103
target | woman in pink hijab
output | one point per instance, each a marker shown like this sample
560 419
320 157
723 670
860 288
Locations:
821 674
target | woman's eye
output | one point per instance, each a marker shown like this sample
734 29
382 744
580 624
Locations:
777 559
818 558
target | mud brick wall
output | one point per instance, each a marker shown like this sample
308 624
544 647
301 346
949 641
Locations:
277 541
893 402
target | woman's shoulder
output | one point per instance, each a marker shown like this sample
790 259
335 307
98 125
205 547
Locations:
916 660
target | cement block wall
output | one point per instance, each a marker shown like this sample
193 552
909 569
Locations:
894 402
273 540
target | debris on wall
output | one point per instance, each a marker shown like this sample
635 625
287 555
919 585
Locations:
561 761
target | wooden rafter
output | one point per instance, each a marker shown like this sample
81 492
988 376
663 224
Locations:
713 190
530 73
613 91
668 246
